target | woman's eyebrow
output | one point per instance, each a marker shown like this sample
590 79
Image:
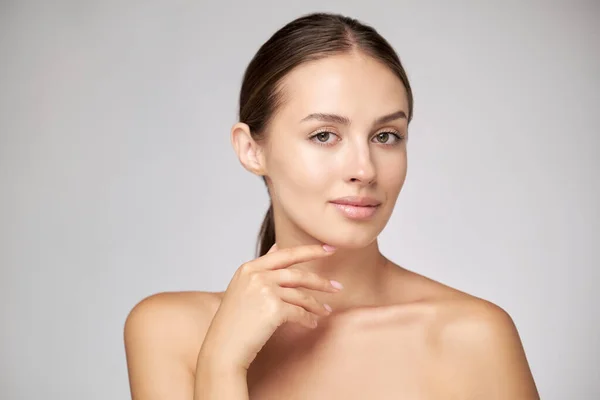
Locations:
339 119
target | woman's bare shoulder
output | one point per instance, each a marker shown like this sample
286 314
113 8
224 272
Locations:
475 339
192 310
184 316
479 343
454 313
163 334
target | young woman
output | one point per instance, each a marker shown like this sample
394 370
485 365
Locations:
324 111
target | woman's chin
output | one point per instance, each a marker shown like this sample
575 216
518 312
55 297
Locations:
355 242
341 235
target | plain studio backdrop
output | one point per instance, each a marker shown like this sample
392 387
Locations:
118 179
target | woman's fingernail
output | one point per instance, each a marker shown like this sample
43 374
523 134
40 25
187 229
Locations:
336 284
328 248
327 307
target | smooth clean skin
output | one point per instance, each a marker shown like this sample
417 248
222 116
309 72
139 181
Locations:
392 334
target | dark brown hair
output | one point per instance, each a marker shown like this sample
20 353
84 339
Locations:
307 38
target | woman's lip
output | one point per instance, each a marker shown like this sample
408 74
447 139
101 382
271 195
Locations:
357 201
356 212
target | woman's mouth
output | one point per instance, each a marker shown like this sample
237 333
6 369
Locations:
357 208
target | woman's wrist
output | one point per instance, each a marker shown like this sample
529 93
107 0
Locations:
216 365
216 379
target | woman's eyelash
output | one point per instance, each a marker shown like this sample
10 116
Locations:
399 137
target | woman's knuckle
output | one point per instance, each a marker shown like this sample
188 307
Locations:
298 276
314 277
306 298
266 291
245 268
286 275
255 278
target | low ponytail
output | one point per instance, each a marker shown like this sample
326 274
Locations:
266 236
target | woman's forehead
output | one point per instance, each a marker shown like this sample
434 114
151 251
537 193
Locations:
348 84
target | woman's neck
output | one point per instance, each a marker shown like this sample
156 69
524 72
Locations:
363 273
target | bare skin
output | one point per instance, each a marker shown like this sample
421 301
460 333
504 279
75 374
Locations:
421 340
392 333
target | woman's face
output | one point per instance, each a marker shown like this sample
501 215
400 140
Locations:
359 150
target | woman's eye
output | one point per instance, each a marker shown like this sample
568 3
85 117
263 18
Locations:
388 138
327 138
383 137
323 138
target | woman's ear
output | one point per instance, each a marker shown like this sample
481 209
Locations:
248 151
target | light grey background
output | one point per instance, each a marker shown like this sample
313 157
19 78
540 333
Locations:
117 178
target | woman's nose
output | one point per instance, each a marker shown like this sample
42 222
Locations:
360 167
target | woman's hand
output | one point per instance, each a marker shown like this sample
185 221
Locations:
262 295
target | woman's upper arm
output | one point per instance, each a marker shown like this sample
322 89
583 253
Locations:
163 335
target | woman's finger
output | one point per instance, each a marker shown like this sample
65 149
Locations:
304 300
293 277
283 258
